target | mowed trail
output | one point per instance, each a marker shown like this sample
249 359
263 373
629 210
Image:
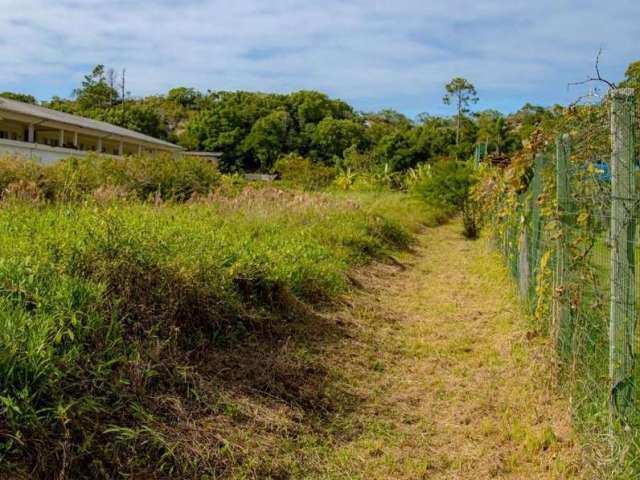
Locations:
454 384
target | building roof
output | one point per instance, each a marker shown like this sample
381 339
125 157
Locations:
80 122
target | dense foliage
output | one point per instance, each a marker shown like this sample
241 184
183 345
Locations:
122 306
449 187
141 178
551 209
253 130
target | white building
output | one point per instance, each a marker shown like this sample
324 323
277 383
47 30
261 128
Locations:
47 135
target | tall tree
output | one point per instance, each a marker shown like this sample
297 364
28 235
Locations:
95 92
462 93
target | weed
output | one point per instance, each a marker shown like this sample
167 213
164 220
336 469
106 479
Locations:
115 313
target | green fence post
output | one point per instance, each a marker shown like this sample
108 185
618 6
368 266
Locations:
563 328
523 267
623 199
535 238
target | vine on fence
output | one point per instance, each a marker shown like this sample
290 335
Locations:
551 215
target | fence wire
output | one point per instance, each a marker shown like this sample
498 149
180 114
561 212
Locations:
571 241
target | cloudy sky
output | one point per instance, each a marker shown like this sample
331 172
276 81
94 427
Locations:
376 54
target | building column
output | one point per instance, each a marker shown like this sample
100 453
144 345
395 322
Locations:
61 140
121 148
32 133
99 147
75 139
139 149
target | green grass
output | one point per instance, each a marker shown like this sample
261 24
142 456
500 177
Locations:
140 177
110 312
584 376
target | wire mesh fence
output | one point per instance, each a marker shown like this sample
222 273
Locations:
571 240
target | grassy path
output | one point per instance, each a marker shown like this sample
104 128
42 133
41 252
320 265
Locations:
451 385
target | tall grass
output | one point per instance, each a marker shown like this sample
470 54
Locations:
141 177
103 306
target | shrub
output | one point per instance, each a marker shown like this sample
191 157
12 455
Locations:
166 177
471 219
357 161
448 186
301 171
15 172
415 176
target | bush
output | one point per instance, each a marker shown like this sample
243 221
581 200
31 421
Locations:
448 186
471 219
16 173
166 177
301 171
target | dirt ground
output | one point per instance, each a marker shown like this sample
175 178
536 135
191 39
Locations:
451 382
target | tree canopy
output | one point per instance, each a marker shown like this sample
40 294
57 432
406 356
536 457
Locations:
252 130
461 93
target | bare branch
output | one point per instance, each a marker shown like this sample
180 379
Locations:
591 95
597 78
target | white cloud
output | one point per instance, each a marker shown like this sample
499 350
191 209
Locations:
372 52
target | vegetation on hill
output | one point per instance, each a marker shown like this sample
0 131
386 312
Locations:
161 319
253 130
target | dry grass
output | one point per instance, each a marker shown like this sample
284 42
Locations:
451 385
425 371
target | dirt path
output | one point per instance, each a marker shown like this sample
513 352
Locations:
453 386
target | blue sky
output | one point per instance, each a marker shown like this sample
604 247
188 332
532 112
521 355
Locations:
375 54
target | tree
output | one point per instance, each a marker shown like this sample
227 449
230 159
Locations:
186 97
139 117
96 92
382 123
492 130
461 92
525 121
450 186
632 76
225 122
433 139
332 137
269 138
20 97
397 150
308 108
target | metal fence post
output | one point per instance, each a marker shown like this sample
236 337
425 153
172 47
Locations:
623 205
536 226
563 328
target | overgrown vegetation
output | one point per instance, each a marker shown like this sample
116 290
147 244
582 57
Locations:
449 187
147 305
552 208
142 178
158 318
253 130
128 289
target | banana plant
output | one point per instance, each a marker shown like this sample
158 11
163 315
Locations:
345 179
